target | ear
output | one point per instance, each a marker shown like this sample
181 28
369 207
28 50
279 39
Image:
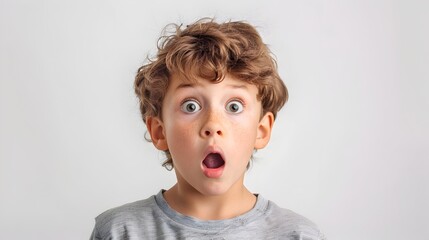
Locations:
155 128
264 130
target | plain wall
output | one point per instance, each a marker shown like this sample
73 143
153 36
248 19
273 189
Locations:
349 150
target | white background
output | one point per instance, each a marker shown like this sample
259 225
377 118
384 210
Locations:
349 150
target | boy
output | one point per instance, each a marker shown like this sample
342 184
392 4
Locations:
208 99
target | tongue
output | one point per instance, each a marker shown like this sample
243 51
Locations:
213 160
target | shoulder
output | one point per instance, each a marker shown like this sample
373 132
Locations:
125 217
127 211
294 225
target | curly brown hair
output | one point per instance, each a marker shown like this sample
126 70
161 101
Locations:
209 50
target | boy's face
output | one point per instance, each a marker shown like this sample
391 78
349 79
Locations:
211 131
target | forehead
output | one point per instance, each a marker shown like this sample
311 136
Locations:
178 82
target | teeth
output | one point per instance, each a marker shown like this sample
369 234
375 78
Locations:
213 160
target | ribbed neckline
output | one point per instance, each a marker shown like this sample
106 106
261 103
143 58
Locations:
261 207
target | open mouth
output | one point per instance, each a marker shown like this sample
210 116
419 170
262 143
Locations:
213 160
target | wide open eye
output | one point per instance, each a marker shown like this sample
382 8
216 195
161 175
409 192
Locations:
234 106
190 106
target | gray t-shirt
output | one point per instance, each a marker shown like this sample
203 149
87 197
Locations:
152 218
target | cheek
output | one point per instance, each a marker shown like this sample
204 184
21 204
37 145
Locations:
179 134
244 129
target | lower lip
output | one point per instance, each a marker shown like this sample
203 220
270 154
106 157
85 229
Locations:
213 172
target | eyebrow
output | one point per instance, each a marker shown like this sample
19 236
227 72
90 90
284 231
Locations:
185 85
190 85
241 86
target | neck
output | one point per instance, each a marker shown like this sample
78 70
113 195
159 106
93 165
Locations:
190 202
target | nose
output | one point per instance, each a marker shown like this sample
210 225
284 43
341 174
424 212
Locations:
212 126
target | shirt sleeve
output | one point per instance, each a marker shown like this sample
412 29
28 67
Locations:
95 234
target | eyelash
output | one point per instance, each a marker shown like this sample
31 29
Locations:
189 99
230 100
238 100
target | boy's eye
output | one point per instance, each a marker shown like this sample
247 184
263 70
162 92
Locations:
190 106
234 106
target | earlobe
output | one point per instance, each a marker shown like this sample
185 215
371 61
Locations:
155 128
264 130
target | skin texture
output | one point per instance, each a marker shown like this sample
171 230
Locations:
201 118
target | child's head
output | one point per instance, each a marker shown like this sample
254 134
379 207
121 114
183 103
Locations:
206 50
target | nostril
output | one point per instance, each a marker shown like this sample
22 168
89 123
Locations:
209 133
